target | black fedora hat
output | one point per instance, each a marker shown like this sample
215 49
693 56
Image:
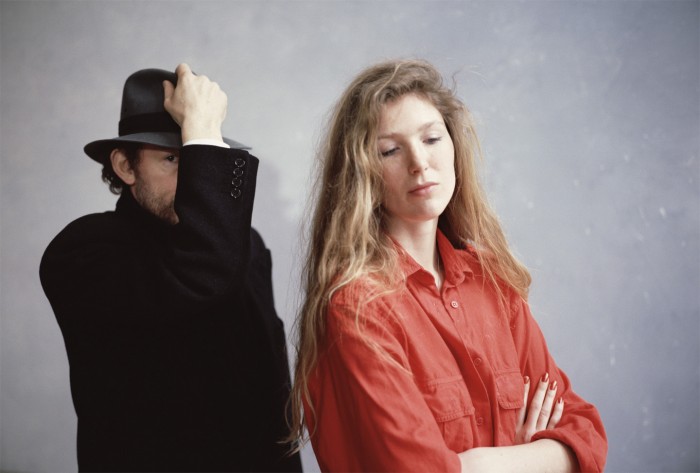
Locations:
143 118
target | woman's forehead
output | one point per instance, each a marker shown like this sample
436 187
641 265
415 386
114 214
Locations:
408 114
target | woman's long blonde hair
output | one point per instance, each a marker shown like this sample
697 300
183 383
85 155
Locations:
346 241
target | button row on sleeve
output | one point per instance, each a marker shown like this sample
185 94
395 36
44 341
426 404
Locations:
237 180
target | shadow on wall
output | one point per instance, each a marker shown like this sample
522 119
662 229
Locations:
282 236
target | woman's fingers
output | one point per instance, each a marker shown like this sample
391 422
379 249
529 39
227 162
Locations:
546 410
556 414
533 412
523 410
539 413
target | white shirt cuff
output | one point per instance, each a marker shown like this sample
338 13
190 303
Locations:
206 141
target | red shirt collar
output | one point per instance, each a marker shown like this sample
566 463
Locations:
457 262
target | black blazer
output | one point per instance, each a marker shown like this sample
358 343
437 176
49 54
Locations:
177 357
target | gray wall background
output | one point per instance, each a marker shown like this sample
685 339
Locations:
589 115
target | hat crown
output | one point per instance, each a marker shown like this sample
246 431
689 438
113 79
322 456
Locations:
142 103
143 119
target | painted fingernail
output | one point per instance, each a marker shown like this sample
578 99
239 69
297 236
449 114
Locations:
553 386
545 378
527 380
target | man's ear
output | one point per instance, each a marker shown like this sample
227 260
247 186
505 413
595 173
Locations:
122 166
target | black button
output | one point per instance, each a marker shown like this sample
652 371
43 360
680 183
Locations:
236 193
239 162
236 182
238 172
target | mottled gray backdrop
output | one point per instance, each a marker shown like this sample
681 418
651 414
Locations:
589 116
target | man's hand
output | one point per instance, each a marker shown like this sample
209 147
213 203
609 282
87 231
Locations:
197 104
542 413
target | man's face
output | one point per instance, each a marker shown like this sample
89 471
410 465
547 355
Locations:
156 180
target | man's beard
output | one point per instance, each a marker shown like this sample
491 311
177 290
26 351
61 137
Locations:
155 204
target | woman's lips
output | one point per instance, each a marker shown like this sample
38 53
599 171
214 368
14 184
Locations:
423 189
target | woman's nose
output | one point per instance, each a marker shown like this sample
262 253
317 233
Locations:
418 159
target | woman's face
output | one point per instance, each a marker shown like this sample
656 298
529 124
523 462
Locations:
418 163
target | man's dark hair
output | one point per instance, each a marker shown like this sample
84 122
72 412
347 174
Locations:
116 185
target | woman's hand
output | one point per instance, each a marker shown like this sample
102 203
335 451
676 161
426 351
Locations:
542 412
525 455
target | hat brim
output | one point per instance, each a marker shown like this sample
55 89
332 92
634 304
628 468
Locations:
101 149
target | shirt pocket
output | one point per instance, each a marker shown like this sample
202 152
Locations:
510 389
509 392
452 407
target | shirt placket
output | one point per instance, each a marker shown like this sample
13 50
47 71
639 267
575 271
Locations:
475 369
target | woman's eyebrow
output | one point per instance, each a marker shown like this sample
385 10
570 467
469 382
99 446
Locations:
420 128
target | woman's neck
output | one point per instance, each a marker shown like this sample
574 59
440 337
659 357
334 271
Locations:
420 241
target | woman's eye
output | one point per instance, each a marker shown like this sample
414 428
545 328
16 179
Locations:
433 140
389 152
172 158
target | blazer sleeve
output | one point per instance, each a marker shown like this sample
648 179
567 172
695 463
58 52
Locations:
208 251
121 268
580 427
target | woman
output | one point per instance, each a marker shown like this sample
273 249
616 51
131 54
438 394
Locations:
416 342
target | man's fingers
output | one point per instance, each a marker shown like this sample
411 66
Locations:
168 100
168 89
182 69
197 104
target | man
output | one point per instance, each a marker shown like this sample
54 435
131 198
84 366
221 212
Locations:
177 358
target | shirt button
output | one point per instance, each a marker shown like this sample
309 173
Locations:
454 304
479 421
477 361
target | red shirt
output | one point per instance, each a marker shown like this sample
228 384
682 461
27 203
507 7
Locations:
448 375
